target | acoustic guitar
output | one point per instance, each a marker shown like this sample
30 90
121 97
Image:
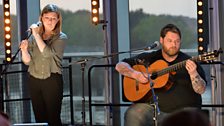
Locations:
159 72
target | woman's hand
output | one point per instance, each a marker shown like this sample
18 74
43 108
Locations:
35 29
24 45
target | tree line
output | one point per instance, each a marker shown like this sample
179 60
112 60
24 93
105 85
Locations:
85 36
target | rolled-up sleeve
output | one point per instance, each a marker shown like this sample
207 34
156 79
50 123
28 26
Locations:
50 60
56 48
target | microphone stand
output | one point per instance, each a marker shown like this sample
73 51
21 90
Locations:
83 64
107 56
155 99
13 58
5 70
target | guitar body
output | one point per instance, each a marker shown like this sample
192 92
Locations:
136 91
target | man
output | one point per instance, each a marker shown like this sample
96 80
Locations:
187 83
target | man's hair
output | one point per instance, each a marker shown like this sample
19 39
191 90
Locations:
169 28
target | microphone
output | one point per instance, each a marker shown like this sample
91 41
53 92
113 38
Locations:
154 45
39 23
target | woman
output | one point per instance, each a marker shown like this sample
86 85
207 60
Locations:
43 53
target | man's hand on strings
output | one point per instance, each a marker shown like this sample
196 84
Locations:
141 77
191 67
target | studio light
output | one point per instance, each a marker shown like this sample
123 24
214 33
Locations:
202 23
7 29
95 11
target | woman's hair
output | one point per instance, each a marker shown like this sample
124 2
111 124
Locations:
52 8
169 28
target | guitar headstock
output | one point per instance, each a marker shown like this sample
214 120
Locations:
210 56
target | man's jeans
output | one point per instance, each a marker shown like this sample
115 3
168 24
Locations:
142 114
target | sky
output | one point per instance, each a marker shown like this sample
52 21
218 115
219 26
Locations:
174 7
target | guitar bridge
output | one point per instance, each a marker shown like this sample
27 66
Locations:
137 85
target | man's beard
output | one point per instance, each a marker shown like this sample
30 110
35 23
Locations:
171 52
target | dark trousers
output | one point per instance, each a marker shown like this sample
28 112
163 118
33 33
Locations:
46 96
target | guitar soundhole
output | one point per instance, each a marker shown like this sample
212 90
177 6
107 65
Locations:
154 76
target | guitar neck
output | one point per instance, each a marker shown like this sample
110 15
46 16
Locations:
175 67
